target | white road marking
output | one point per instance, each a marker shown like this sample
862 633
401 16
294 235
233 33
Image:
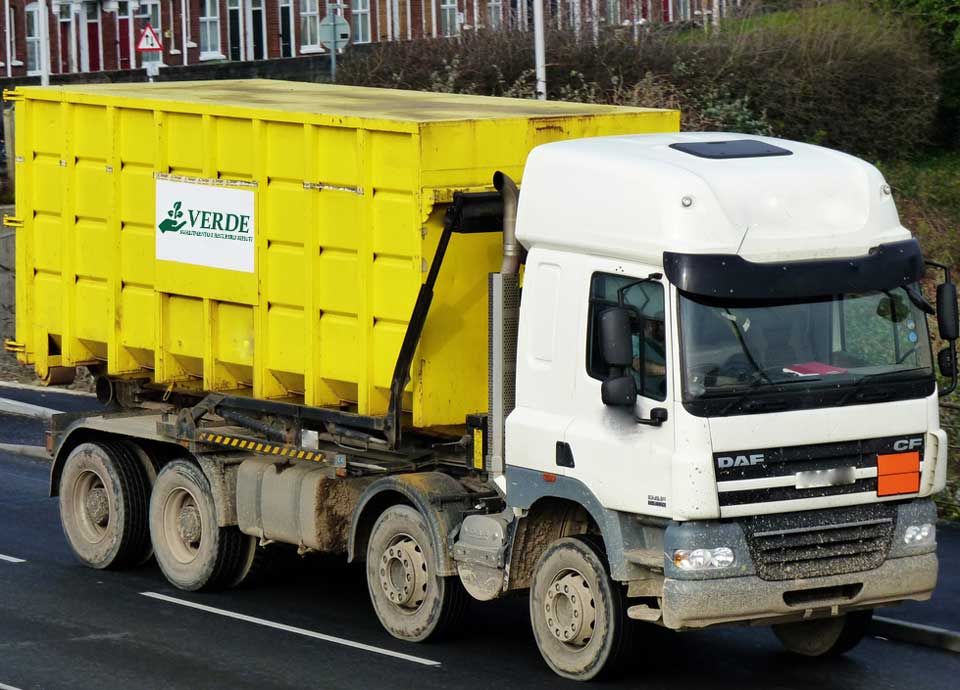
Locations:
26 409
10 559
7 687
26 449
289 628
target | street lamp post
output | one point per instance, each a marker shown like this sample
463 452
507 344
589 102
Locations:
44 44
539 50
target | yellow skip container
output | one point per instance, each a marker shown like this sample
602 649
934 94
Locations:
268 237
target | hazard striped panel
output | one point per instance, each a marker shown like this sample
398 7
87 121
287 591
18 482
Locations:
259 446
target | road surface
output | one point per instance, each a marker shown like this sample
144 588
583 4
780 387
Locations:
311 626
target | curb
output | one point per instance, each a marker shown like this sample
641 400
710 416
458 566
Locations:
28 451
45 389
26 409
915 633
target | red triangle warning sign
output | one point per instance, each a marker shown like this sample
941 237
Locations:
149 42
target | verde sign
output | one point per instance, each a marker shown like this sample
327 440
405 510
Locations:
206 223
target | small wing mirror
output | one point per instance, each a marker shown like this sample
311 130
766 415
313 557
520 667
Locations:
947 311
658 416
945 362
616 342
620 391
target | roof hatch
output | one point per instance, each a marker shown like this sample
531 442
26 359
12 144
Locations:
736 148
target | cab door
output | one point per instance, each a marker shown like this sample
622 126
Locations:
626 464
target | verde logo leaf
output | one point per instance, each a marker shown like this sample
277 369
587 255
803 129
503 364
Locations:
170 223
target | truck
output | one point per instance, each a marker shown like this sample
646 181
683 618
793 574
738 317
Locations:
485 347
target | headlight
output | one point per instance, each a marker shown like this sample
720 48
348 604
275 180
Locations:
917 535
703 559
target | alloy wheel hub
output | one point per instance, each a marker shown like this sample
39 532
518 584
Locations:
403 573
570 609
188 525
97 506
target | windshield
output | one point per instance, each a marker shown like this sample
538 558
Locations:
730 348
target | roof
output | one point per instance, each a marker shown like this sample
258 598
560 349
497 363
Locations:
330 100
636 196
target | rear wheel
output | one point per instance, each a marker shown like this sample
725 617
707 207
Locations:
412 602
824 636
577 612
103 505
193 551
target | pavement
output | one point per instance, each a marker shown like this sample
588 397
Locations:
311 626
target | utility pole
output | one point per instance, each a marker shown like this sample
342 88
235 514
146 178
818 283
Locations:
44 44
539 50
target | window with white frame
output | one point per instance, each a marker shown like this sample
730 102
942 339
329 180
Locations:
360 18
12 27
32 13
210 29
309 25
494 14
449 26
613 12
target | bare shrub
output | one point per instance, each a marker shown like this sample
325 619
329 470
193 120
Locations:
840 74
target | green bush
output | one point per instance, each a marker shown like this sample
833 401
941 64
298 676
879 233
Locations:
842 75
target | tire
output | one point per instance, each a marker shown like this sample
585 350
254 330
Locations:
578 614
192 550
148 467
824 636
412 602
103 505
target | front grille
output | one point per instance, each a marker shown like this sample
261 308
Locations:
778 474
819 543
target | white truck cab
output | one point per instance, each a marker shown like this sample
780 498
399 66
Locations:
723 358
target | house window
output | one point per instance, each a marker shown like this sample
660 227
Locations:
210 29
494 14
309 25
12 24
613 12
360 18
33 38
449 26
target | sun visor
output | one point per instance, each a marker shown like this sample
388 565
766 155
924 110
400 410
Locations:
731 276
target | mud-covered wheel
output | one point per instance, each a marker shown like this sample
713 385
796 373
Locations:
193 551
412 602
577 612
103 505
824 636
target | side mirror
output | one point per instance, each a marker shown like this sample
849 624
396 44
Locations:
620 391
616 342
658 416
947 311
945 362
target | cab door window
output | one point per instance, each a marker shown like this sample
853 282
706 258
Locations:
644 299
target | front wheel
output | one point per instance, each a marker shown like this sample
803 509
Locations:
411 600
825 636
577 612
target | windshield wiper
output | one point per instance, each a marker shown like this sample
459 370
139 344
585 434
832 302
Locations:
749 403
857 388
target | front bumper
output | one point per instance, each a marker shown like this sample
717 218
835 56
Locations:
701 603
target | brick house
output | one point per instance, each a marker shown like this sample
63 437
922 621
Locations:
94 35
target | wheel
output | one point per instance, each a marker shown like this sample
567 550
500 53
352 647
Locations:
824 636
577 612
103 505
193 551
412 602
148 467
